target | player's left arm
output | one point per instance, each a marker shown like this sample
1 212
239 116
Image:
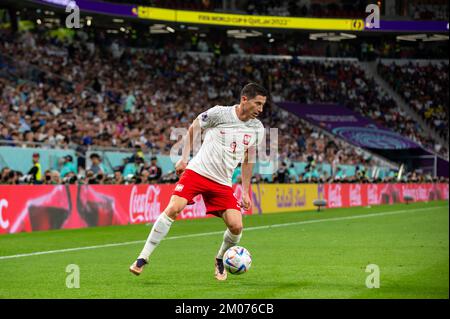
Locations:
246 171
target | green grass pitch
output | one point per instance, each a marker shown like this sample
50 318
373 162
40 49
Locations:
302 255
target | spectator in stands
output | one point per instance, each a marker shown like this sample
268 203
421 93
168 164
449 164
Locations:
91 178
340 174
360 173
139 153
4 175
12 177
310 175
70 178
47 177
4 135
143 178
68 166
170 177
36 171
292 173
154 171
134 167
101 178
118 177
96 164
282 174
55 177
257 179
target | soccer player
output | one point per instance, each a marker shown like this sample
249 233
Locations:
232 133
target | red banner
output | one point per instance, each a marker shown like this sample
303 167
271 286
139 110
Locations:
349 195
33 208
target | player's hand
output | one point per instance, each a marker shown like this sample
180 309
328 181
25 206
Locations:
180 166
246 204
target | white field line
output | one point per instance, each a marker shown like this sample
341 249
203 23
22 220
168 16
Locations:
221 232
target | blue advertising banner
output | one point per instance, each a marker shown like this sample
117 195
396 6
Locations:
349 125
125 10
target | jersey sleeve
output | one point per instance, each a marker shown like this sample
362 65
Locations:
210 118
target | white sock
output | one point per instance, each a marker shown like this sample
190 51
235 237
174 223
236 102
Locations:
159 231
229 240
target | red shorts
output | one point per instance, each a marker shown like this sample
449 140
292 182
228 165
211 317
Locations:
217 197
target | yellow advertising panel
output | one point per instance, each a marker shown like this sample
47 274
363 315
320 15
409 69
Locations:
241 20
156 14
280 198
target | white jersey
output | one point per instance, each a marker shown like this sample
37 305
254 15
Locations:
226 140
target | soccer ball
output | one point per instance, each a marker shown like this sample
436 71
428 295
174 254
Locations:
237 260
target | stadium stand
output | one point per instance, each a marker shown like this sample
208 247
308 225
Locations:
294 80
428 10
42 112
423 86
89 107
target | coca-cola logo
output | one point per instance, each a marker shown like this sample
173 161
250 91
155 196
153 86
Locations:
195 210
4 223
144 207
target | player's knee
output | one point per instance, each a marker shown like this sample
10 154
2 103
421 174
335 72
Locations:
173 210
176 205
235 228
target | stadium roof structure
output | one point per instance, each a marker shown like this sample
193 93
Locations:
176 17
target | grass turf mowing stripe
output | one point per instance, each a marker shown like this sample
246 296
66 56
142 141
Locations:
220 232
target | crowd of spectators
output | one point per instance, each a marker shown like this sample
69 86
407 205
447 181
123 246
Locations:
304 8
136 170
428 10
194 5
131 100
286 175
85 95
345 83
424 87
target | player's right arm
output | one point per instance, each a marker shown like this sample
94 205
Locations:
193 132
207 119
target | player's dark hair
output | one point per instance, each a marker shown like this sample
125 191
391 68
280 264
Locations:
251 90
